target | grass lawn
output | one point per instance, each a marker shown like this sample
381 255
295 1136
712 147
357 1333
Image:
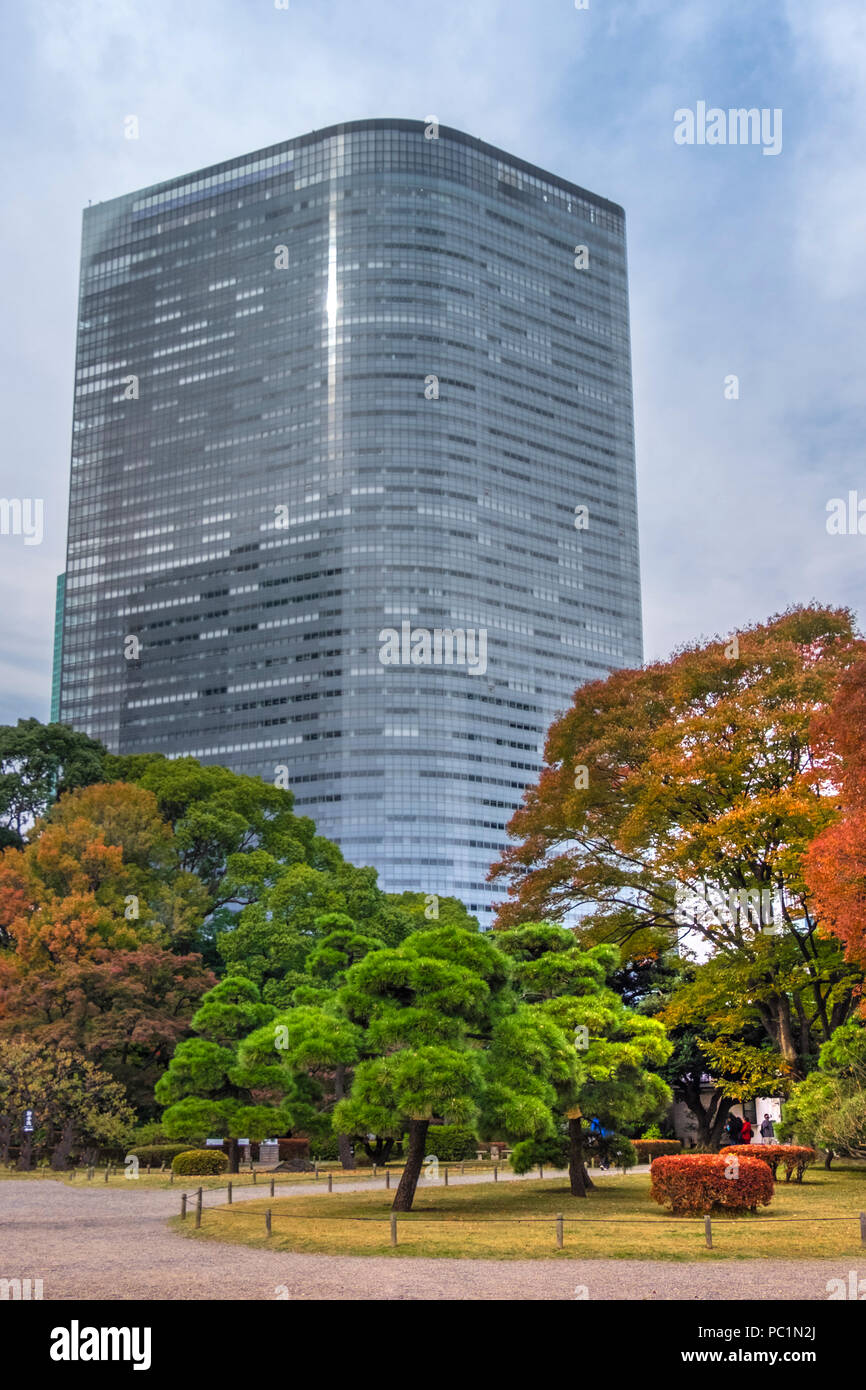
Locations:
516 1220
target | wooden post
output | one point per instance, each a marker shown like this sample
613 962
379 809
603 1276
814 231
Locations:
393 1228
708 1232
387 1178
230 1194
253 1172
198 1209
496 1172
171 1175
268 1221
462 1168
183 1206
316 1171
374 1170
446 1176
559 1231
107 1171
330 1182
863 1228
272 1187
541 1170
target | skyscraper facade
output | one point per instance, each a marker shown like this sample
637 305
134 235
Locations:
352 498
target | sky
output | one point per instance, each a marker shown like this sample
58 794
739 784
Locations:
741 263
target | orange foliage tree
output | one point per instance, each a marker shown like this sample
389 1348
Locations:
836 861
682 797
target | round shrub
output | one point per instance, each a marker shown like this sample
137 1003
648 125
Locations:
794 1158
200 1163
702 1183
648 1149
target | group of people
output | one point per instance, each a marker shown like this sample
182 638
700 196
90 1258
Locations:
738 1131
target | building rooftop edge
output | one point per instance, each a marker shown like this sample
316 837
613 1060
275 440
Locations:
375 123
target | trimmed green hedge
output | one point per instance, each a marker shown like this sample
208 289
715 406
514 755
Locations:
156 1154
200 1163
451 1142
325 1149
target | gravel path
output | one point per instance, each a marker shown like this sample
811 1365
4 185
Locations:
114 1244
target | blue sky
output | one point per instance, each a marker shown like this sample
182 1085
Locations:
739 263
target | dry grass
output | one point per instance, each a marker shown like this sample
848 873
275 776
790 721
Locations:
509 1221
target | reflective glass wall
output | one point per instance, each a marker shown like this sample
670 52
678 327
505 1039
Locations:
353 491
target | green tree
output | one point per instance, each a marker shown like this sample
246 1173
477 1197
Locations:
205 1090
38 762
613 1047
828 1108
72 1102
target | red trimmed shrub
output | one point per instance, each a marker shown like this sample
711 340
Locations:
703 1183
795 1158
648 1149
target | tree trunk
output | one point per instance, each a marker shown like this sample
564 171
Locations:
60 1156
234 1156
25 1157
405 1195
344 1146
5 1138
576 1171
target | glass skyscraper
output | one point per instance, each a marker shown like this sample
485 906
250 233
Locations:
352 494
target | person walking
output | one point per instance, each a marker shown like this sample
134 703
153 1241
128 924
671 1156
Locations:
734 1129
746 1135
768 1134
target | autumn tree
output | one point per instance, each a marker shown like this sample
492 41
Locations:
96 918
682 797
836 860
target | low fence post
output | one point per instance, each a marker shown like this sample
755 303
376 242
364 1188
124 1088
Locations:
198 1209
107 1171
268 1221
496 1172
462 1168
446 1177
254 1173
183 1206
374 1170
316 1171
272 1187
393 1228
330 1182
387 1178
863 1228
171 1176
230 1194
559 1231
708 1231
541 1170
